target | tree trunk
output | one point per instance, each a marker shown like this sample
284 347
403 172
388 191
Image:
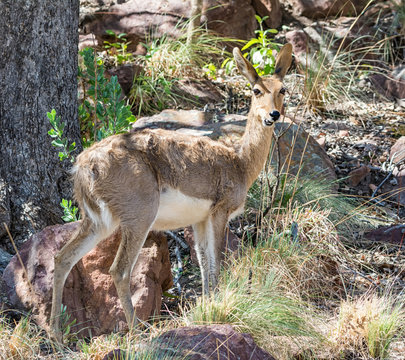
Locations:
38 72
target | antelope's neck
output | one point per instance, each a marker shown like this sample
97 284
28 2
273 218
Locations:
255 147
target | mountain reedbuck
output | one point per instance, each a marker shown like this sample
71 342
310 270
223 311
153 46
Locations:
163 180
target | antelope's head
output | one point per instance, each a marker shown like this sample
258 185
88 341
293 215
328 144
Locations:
267 92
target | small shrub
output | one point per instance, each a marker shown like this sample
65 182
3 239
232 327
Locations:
118 49
261 49
102 112
57 133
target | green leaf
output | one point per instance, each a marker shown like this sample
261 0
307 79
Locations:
110 32
250 43
52 133
57 143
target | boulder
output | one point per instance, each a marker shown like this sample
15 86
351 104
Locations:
357 175
316 9
212 342
142 20
89 294
300 153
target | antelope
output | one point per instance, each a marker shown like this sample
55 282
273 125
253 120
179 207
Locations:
163 180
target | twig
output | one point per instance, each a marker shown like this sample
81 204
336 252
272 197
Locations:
179 273
387 177
19 258
395 227
381 184
178 239
179 268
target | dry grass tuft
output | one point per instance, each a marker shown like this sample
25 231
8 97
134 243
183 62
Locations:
308 252
369 325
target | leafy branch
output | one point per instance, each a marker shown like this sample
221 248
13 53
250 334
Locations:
57 133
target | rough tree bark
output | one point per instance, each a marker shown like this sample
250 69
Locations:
38 72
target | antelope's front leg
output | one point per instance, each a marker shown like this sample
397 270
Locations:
210 244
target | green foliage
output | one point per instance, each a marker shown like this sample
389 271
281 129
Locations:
210 71
118 49
152 93
229 65
69 211
250 298
261 49
67 324
101 113
57 133
383 329
303 192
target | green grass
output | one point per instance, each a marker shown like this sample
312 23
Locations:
257 294
169 60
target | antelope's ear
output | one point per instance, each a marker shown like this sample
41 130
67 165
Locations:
283 61
245 67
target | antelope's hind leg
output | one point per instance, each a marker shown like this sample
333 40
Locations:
84 240
135 225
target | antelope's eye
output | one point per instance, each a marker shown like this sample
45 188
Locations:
283 90
256 91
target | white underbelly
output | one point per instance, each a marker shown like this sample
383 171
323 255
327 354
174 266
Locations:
177 210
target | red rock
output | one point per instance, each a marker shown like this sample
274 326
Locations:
388 234
316 9
299 40
397 152
88 40
89 294
392 85
343 133
212 342
321 141
359 174
157 18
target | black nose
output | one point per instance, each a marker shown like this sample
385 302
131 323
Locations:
275 115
